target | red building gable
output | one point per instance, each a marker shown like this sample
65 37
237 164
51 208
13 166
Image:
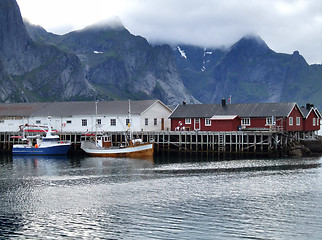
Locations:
312 119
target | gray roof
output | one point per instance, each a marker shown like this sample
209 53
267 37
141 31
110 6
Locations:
242 110
75 108
306 111
20 109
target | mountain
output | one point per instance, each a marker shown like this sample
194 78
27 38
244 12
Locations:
120 65
31 71
106 61
249 71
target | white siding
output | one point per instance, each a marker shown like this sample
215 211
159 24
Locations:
12 125
61 123
158 111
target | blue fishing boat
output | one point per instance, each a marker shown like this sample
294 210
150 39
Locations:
41 145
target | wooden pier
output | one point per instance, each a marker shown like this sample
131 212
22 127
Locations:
240 142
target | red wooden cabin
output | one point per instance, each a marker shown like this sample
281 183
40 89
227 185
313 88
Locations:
232 117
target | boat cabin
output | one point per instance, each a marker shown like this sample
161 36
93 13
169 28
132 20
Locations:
104 141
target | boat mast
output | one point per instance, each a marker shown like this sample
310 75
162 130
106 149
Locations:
49 127
96 118
96 103
130 120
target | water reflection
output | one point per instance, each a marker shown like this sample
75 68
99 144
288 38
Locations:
114 198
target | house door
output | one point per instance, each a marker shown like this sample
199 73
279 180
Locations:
197 123
162 124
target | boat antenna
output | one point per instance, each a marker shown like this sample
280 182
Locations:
96 103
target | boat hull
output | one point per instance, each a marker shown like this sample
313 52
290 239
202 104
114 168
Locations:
48 150
139 151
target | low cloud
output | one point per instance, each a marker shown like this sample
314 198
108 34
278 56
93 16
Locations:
285 25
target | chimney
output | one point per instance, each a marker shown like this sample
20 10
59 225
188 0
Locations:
309 106
223 102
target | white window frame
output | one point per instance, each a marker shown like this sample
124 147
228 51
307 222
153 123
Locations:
314 122
127 121
245 121
69 122
146 121
113 121
298 121
187 121
290 121
84 122
155 122
207 122
270 121
99 121
197 121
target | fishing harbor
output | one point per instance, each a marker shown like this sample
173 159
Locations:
260 128
238 142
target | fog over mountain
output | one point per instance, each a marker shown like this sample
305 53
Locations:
285 25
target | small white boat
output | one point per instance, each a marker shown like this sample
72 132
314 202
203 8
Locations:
41 145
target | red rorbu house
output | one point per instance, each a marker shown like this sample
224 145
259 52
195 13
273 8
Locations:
233 117
312 118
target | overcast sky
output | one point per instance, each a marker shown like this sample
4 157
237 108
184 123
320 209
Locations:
285 25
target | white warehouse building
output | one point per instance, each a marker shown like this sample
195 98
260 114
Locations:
110 116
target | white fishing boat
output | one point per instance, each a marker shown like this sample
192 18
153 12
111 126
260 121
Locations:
100 145
41 145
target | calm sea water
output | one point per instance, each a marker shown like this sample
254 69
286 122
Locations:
168 198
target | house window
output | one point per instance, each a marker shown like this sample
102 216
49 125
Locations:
187 121
290 121
245 121
298 121
84 122
69 121
99 121
155 122
207 122
113 122
1 121
38 121
146 120
314 122
127 121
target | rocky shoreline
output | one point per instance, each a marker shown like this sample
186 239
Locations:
304 148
